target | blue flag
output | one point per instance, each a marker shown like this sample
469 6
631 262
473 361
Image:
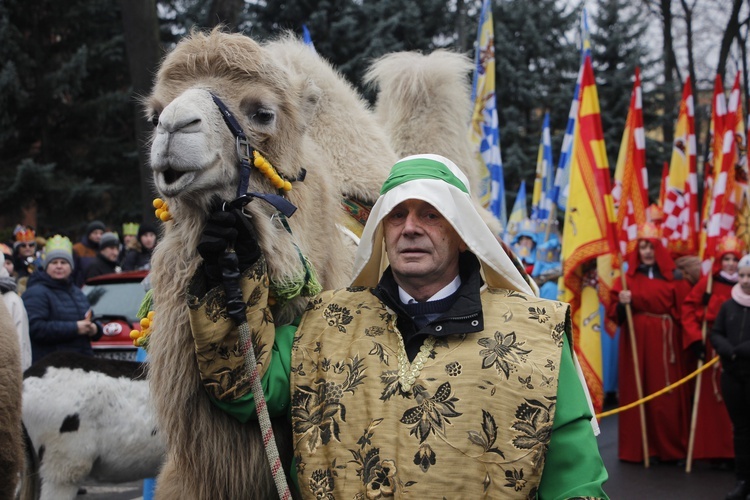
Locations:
484 131
307 38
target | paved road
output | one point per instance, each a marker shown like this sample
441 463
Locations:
660 481
626 481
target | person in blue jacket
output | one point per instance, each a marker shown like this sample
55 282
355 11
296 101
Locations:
59 313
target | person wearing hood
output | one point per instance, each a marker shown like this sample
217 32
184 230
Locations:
654 292
138 257
85 251
13 302
730 337
107 257
713 432
437 359
59 313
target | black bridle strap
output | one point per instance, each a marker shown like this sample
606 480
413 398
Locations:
229 118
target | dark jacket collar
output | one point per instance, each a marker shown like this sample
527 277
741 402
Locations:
463 316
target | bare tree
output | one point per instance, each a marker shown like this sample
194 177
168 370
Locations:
688 8
731 32
141 31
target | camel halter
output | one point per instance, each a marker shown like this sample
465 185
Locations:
236 306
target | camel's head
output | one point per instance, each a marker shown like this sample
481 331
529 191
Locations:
194 156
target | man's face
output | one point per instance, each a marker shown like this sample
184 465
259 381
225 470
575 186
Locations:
148 240
96 235
422 246
646 251
59 269
110 253
128 239
27 249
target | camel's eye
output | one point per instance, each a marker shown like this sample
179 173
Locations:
155 119
263 116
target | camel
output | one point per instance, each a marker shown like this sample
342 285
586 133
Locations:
11 445
304 118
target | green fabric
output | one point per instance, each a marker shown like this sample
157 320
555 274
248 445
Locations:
573 467
275 381
421 168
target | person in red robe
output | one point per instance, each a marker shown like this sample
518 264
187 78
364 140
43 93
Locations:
713 428
655 295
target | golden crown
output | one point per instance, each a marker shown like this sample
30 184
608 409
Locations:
729 244
654 213
130 228
649 231
58 242
24 234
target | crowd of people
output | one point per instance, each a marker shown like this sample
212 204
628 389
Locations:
41 280
679 319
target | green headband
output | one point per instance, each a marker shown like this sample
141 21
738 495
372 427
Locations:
421 168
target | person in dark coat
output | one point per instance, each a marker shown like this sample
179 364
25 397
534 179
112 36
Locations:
59 313
730 337
139 256
107 257
84 252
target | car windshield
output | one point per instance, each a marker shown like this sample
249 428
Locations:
115 299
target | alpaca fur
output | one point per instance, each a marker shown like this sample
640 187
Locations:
423 104
86 418
11 446
299 113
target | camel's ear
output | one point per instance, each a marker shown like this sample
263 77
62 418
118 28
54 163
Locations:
311 95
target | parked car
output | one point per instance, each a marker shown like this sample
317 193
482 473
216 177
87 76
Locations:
115 300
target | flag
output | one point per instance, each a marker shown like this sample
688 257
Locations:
307 38
484 131
723 194
559 192
633 192
589 233
519 212
742 190
712 162
540 201
663 185
681 219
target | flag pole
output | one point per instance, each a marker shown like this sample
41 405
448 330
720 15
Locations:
697 393
550 218
636 368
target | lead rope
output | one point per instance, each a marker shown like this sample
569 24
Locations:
269 442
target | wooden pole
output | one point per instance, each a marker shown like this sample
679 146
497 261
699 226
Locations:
550 218
697 393
637 369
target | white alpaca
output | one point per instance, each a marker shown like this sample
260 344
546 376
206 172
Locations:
87 418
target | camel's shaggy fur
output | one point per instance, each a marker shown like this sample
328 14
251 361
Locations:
423 104
11 446
300 113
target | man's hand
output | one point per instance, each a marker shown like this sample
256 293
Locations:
226 230
625 297
698 348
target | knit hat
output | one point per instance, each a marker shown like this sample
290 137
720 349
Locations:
744 261
439 182
146 228
23 234
94 225
109 240
58 247
130 228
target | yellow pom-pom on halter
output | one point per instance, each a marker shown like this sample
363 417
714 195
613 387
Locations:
162 210
270 173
